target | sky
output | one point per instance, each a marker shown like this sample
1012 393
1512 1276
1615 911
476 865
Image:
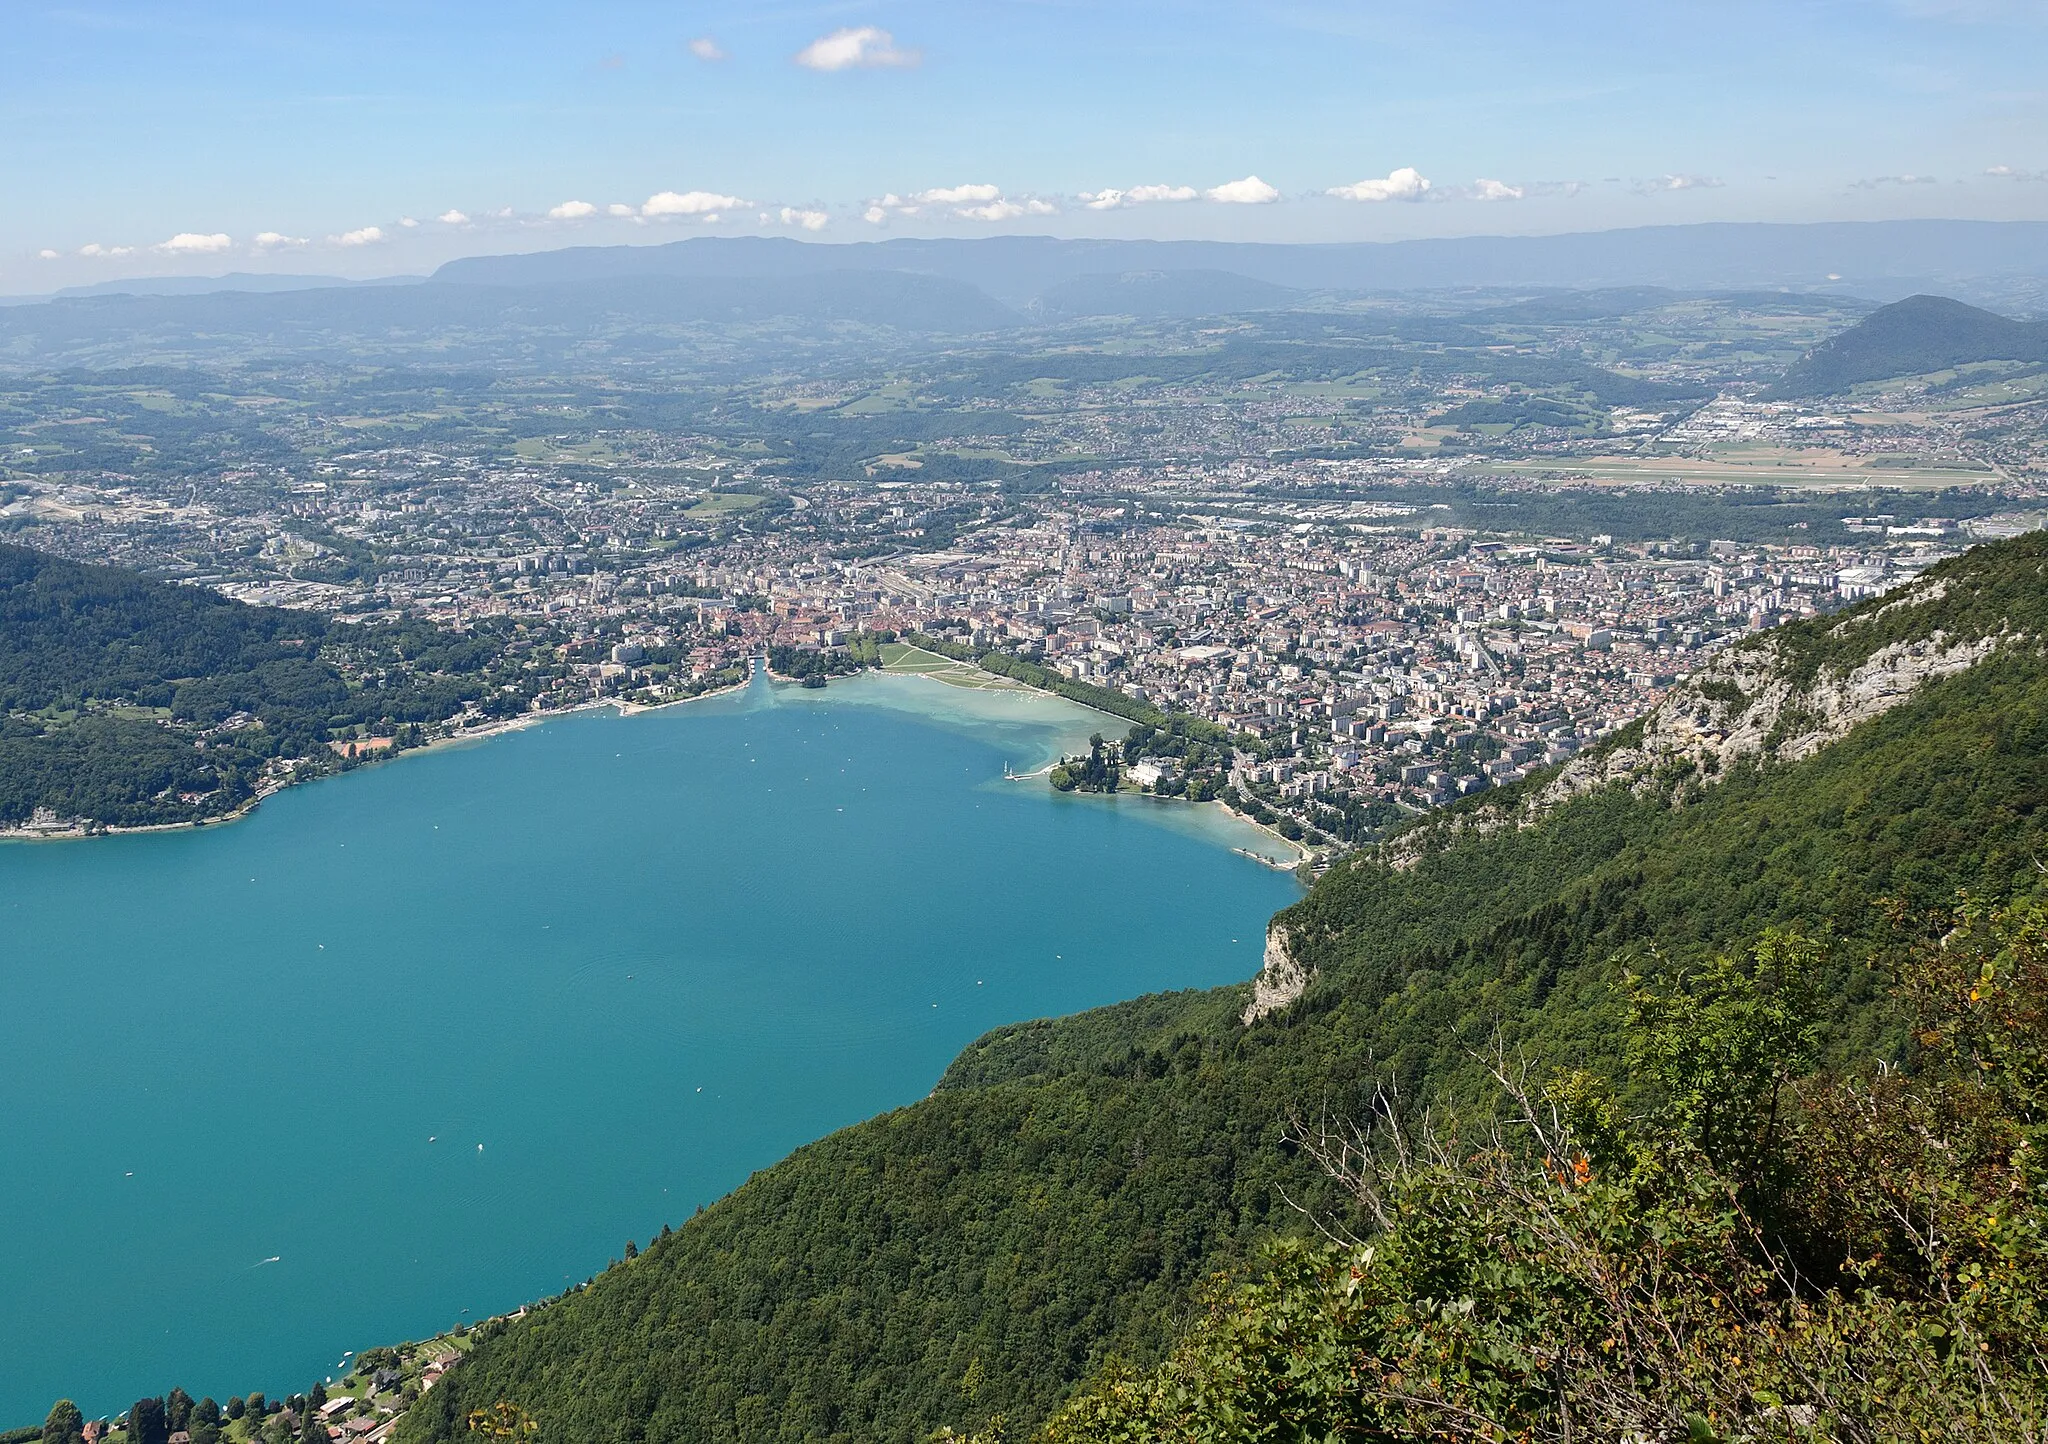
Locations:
365 138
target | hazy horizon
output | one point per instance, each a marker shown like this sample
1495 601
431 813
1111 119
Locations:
387 141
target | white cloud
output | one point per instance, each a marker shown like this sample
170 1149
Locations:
809 220
2006 172
1680 183
974 201
1111 199
571 211
408 222
366 236
1251 191
1404 184
689 203
705 48
192 243
1871 183
46 255
1493 190
278 241
452 218
878 211
615 209
954 195
98 252
993 211
860 47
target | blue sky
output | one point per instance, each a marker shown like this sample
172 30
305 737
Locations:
146 138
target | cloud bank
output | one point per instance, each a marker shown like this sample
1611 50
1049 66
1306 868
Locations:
1111 199
1405 184
1679 183
957 195
707 204
1251 191
191 243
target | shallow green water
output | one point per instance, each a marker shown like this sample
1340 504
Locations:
426 1041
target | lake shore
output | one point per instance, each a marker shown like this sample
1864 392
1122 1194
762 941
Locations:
949 674
74 830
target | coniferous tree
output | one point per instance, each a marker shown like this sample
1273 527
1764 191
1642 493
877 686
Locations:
147 1423
312 1429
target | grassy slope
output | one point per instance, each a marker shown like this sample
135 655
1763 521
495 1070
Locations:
1061 1194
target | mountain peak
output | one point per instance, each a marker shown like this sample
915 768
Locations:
1911 338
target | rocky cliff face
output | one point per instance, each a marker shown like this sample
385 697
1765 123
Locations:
1744 706
1785 695
1281 980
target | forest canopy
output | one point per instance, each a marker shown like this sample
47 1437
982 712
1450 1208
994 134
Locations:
127 701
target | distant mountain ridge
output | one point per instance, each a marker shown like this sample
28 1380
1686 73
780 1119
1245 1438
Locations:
569 310
256 281
1161 293
1912 337
1880 259
549 304
259 282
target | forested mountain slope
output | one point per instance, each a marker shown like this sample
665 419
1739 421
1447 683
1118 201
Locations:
127 701
1059 1201
1912 337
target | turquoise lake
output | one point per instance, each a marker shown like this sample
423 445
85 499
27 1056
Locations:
421 1043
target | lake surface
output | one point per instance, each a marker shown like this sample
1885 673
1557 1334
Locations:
418 1044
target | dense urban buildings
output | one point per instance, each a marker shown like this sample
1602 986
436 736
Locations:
1370 650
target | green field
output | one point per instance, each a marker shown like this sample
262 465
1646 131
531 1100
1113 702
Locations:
902 657
719 503
540 448
1816 474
